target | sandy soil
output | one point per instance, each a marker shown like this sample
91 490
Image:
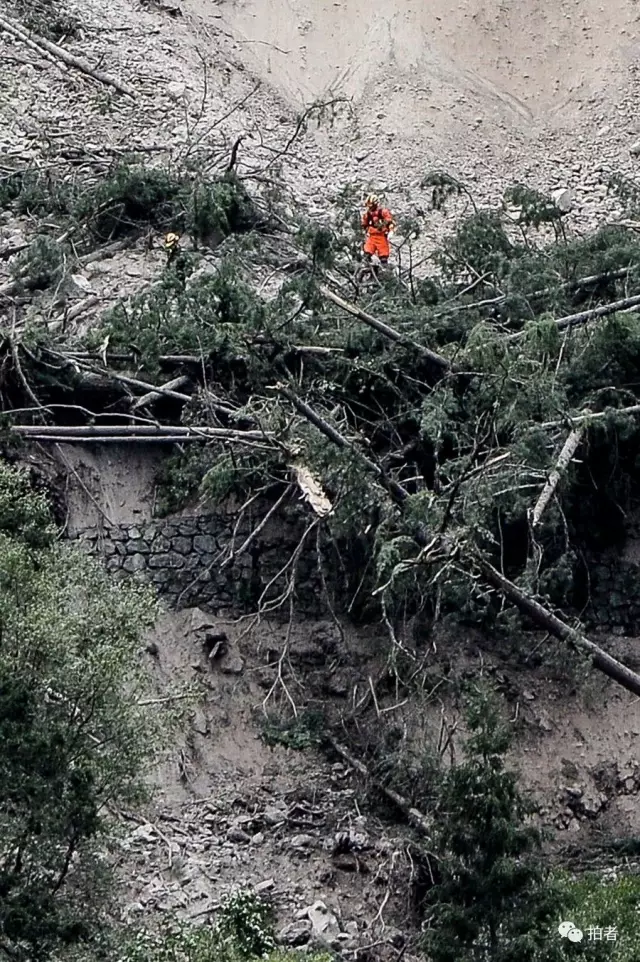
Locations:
530 59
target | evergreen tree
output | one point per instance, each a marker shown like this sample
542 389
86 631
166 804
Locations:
494 901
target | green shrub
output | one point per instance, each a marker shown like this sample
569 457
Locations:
41 265
183 942
133 196
74 735
493 900
212 315
246 922
305 731
600 905
38 193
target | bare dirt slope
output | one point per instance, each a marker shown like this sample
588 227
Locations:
530 60
535 91
543 93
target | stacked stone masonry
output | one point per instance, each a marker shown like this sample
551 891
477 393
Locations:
615 595
183 559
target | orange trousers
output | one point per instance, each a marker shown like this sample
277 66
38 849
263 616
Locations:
377 243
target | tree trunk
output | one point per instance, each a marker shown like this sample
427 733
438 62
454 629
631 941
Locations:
546 619
383 328
54 52
568 450
574 320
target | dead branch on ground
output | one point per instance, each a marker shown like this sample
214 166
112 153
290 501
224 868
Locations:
56 54
542 292
319 106
413 815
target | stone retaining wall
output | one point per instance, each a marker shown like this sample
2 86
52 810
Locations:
183 557
615 595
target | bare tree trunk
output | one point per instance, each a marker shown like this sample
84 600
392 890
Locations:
546 619
53 52
568 450
136 431
383 328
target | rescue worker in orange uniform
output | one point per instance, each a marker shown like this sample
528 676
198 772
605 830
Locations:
378 223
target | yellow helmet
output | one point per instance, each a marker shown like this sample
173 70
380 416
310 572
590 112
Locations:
372 200
171 240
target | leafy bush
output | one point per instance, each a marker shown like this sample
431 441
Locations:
182 942
38 193
25 516
73 735
133 196
603 906
42 264
246 923
211 315
305 731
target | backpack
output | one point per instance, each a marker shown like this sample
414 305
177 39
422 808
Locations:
376 220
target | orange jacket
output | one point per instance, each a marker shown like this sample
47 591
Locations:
378 221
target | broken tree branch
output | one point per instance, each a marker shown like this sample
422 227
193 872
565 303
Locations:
137 431
122 378
413 815
396 490
546 619
568 450
174 385
175 359
145 439
591 416
575 320
55 53
383 328
542 292
256 531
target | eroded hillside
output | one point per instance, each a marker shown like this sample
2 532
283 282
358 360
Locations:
255 129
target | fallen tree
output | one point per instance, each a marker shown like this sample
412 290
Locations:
389 332
472 558
583 317
58 55
136 431
398 456
545 619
